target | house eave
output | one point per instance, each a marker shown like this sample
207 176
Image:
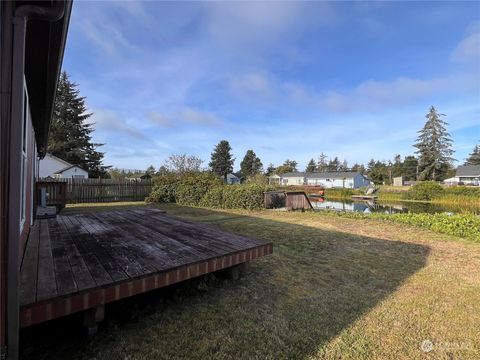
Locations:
45 45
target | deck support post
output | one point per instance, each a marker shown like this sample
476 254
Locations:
92 317
236 271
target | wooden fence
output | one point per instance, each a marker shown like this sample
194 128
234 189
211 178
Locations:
101 190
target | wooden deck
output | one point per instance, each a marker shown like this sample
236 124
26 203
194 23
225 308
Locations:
76 262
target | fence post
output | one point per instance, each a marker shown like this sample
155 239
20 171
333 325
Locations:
136 186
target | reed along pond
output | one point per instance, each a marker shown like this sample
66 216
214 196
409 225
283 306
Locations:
390 207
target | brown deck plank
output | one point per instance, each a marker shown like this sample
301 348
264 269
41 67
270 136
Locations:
63 272
102 266
29 268
46 284
220 235
198 233
81 273
173 245
114 242
169 251
196 240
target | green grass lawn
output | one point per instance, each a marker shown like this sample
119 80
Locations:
334 288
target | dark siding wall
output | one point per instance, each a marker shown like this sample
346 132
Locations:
6 11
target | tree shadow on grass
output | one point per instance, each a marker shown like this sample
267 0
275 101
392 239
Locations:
288 305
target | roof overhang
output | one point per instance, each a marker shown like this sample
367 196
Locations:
44 48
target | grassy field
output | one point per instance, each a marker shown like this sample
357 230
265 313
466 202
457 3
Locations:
334 288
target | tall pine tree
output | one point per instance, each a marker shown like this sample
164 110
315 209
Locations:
251 164
221 160
474 157
70 133
434 147
311 166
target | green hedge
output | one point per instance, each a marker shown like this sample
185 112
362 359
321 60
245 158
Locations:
164 189
463 225
425 190
245 196
206 190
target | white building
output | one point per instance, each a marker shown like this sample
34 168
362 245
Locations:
466 175
54 167
72 171
350 180
292 178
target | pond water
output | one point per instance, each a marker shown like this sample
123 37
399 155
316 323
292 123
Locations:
387 208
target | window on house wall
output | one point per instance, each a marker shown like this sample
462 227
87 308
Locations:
23 182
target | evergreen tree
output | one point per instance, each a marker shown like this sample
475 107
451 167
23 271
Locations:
333 165
70 134
251 164
343 166
311 167
474 157
150 171
358 168
378 171
221 159
270 170
322 164
410 165
397 167
434 147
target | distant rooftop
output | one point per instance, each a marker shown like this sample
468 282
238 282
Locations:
322 175
332 175
468 170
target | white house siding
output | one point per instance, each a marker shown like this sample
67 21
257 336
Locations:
331 183
349 183
293 180
74 172
49 165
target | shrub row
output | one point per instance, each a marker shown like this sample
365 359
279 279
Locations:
207 190
463 225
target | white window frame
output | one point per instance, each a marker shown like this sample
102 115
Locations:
24 152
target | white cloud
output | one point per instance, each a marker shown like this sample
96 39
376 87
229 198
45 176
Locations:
468 50
198 117
109 121
159 119
253 86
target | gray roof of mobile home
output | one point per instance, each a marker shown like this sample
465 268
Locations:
332 175
468 170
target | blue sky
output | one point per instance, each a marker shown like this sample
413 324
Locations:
286 79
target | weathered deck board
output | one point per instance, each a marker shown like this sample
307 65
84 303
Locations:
75 262
90 257
63 272
211 235
28 287
46 283
80 271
